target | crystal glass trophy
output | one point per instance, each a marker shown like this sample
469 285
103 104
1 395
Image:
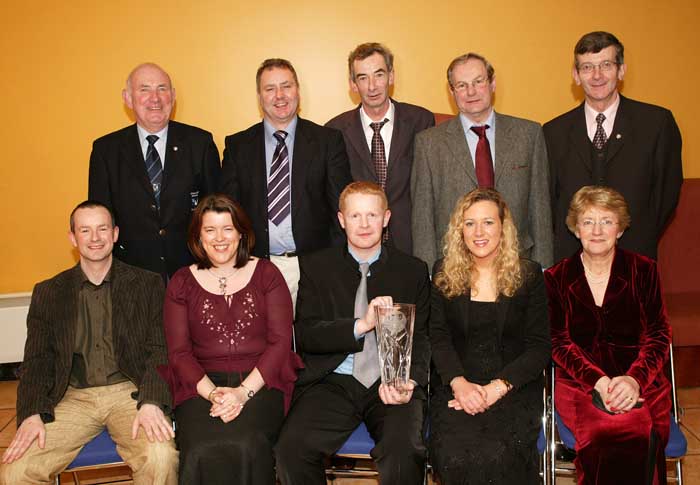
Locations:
395 341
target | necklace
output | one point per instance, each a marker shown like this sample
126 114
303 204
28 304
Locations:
593 278
223 280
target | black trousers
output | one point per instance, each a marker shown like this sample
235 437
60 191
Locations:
236 453
326 413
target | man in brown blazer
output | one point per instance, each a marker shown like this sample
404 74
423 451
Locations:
371 67
94 339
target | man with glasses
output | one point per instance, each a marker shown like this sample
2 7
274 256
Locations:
480 148
611 140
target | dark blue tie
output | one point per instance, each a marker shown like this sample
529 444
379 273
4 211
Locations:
154 167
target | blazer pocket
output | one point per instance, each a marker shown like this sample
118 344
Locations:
520 166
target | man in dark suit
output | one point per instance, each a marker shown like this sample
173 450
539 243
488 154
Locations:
340 387
287 173
379 135
611 140
94 339
152 174
480 148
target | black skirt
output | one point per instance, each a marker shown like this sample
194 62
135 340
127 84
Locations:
236 453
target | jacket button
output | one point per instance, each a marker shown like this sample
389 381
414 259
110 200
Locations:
162 232
153 207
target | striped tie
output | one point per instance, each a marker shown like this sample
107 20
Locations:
154 167
278 199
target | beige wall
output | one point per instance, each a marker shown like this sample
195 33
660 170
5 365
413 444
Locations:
64 64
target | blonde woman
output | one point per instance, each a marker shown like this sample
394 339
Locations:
490 342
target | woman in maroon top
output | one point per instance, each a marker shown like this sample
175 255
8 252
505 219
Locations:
610 338
228 326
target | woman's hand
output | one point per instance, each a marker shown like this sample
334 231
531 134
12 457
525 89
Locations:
495 390
623 394
469 397
602 386
228 402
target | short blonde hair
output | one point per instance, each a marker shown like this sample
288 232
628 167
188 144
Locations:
458 270
601 197
362 187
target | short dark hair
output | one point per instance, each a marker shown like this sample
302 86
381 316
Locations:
490 71
89 204
220 203
594 42
363 51
271 64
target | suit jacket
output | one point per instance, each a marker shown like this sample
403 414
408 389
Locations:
408 120
320 172
629 334
523 332
643 163
137 329
149 238
443 171
326 303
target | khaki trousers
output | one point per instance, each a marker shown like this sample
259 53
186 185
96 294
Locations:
289 267
80 416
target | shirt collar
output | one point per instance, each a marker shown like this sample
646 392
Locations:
467 123
143 133
290 129
366 120
85 280
372 259
609 112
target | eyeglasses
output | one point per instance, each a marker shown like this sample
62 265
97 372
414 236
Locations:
589 67
477 83
603 223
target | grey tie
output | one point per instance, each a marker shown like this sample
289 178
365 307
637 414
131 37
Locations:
366 363
599 138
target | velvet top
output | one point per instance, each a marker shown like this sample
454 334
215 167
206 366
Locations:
206 334
628 335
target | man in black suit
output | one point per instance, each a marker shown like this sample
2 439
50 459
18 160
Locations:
340 387
152 174
94 340
379 135
287 173
611 140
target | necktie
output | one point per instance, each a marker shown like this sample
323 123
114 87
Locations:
278 197
365 366
154 167
599 138
378 153
483 163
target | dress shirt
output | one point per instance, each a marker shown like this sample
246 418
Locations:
160 144
94 358
345 366
473 138
281 237
386 131
610 113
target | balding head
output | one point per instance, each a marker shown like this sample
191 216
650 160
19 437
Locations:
150 95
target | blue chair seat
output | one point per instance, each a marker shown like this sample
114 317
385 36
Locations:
100 451
359 442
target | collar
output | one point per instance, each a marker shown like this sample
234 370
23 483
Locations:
371 260
467 123
85 280
609 112
270 130
389 115
143 133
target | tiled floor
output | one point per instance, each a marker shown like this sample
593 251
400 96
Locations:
689 399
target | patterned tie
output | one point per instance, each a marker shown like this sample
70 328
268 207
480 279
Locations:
154 167
278 197
365 366
600 137
483 163
378 154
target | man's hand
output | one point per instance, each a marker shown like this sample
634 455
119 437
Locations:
151 418
369 321
399 394
30 429
469 397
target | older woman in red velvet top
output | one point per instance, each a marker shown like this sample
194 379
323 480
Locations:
610 336
228 326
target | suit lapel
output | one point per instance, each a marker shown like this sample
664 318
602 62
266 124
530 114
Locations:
621 130
357 138
464 306
304 147
131 152
457 143
174 158
504 141
619 277
122 303
502 306
578 137
65 328
400 138
579 285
